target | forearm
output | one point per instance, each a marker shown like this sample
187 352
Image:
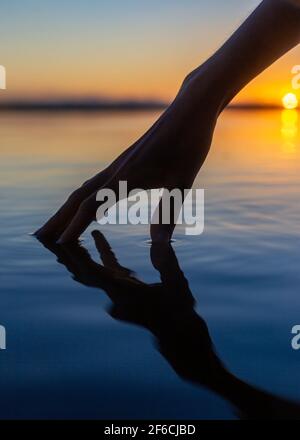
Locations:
267 34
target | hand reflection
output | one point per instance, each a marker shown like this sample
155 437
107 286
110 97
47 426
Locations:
167 310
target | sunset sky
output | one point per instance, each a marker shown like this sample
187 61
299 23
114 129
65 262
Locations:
122 48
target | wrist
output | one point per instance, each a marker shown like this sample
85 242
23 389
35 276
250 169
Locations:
215 80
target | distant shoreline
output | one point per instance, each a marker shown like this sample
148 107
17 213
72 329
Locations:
97 106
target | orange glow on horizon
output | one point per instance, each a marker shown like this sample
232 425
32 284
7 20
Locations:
119 76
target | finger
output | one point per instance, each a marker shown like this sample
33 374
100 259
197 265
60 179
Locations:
55 226
165 261
84 216
166 215
87 211
74 257
107 255
86 271
79 257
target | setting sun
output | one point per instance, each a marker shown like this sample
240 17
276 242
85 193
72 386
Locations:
290 101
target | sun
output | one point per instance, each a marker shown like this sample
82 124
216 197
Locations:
290 101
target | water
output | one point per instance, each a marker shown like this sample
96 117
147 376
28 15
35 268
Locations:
66 356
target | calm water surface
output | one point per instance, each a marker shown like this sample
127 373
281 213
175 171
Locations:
66 356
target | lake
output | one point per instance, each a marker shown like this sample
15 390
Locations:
76 351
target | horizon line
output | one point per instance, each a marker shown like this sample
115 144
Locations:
112 105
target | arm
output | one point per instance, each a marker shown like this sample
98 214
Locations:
172 152
267 34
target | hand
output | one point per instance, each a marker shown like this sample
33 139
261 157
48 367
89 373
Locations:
169 155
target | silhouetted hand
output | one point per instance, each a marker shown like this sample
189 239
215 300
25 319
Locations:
168 156
172 152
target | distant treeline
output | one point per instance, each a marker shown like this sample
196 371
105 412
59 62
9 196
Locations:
81 105
107 106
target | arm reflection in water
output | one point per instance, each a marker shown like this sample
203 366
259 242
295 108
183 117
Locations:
167 310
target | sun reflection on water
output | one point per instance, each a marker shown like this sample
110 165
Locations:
289 129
